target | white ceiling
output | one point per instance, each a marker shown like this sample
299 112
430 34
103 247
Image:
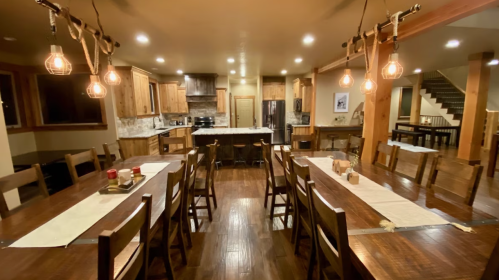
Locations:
198 36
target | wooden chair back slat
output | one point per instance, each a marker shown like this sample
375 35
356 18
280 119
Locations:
298 138
355 143
471 174
73 160
328 222
417 158
113 242
191 168
113 149
172 141
492 269
301 176
173 202
388 150
19 179
210 167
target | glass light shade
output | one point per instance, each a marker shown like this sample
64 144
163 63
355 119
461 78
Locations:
368 86
96 89
112 78
393 70
346 80
56 63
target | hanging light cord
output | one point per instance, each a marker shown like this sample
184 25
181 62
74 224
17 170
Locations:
387 11
395 21
362 18
109 47
375 45
349 44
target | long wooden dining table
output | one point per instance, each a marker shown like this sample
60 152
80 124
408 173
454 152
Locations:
79 259
429 252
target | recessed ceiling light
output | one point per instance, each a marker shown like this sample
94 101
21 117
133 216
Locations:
142 39
233 71
452 44
417 70
284 72
180 72
493 62
230 60
154 68
298 60
243 81
308 39
11 39
160 59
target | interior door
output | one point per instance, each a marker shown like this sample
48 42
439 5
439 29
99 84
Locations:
244 112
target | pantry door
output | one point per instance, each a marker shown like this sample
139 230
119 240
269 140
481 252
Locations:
245 111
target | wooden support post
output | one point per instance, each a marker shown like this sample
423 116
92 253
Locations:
490 128
377 106
475 105
315 72
416 100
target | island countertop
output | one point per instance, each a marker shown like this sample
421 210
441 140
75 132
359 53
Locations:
229 131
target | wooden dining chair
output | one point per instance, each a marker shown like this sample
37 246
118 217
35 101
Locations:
492 269
456 172
301 175
19 179
276 184
291 197
412 158
329 228
388 150
299 138
73 160
188 198
204 185
173 142
113 149
113 242
171 229
355 145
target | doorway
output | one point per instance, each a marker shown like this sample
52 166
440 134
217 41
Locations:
245 110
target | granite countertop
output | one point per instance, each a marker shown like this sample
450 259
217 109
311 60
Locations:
151 132
300 125
221 131
322 125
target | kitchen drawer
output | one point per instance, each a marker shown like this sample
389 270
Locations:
153 144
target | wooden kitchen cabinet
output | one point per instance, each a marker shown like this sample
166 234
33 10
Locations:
188 135
140 146
173 98
306 105
182 106
132 95
274 91
296 89
221 106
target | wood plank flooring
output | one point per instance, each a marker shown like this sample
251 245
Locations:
242 242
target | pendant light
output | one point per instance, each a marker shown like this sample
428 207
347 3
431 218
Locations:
96 89
111 78
393 69
369 86
56 63
346 81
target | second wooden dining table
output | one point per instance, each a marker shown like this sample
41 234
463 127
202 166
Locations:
79 259
427 252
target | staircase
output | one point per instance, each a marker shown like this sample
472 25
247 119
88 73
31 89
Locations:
444 95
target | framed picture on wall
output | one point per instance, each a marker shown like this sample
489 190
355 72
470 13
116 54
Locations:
341 102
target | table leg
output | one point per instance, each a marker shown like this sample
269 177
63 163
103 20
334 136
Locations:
458 135
432 138
491 169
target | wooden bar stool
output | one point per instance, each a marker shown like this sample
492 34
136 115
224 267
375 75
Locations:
332 137
217 160
238 154
257 146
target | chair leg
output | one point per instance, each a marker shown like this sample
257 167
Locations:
181 243
295 223
194 214
214 196
286 208
266 195
208 204
298 236
311 262
272 207
167 261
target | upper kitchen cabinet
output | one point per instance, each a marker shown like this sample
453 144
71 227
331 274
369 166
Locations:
221 107
135 96
274 91
172 98
296 89
302 89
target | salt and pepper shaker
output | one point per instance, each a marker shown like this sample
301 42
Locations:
112 177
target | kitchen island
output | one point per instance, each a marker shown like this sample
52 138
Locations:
228 137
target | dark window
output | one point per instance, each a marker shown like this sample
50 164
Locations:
405 103
64 100
9 100
151 95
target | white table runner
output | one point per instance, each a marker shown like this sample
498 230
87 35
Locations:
400 211
409 147
67 226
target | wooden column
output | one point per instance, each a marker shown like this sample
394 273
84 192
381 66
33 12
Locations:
475 104
416 99
315 72
377 107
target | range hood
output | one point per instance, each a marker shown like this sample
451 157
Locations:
201 87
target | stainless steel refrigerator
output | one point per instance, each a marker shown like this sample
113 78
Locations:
274 117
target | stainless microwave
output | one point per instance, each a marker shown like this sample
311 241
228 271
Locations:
297 105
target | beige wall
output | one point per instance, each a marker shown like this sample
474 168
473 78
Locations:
21 143
244 90
327 85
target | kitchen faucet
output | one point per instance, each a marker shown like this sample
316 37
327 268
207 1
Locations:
153 124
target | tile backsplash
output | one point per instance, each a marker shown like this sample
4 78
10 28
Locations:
294 117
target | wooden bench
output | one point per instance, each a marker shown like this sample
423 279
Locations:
415 135
439 135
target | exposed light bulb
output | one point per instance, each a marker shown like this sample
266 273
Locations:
56 63
346 80
96 89
393 70
112 78
368 86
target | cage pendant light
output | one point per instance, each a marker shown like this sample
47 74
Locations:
56 63
96 89
346 81
112 78
369 86
393 69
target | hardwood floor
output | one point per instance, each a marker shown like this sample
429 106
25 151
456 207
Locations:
242 242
